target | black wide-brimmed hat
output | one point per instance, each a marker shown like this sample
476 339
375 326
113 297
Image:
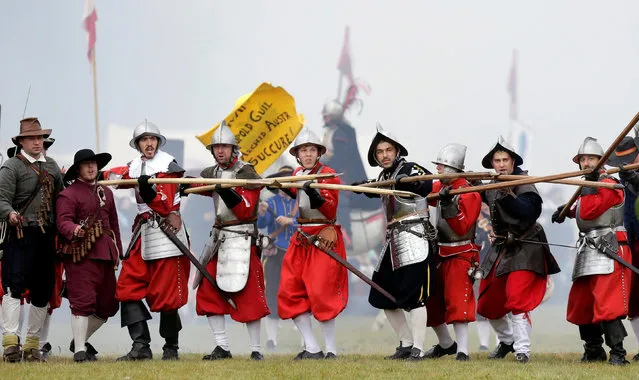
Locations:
503 146
284 171
625 152
83 155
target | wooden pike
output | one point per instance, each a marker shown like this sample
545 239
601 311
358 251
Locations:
359 189
426 177
215 181
601 163
574 182
505 184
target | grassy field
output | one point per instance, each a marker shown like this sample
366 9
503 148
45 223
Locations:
543 366
555 343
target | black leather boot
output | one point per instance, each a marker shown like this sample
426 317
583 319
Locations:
170 326
593 346
134 316
614 332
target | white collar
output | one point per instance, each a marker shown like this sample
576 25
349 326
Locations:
158 164
33 159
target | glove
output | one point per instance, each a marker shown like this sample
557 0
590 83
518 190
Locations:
357 184
593 176
555 215
315 197
228 195
146 190
445 198
182 188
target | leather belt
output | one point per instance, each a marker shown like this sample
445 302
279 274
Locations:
234 223
315 221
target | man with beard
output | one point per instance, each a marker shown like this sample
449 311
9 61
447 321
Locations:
277 214
454 301
231 256
627 153
29 183
312 282
514 271
87 221
598 299
154 269
403 269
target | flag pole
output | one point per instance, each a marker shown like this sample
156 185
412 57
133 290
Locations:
95 101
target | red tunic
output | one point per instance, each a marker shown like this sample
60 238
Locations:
163 282
311 281
250 301
454 301
601 297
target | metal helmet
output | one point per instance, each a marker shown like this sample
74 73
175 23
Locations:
146 128
307 137
222 135
383 135
590 147
501 145
332 109
452 155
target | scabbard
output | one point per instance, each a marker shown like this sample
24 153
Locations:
134 237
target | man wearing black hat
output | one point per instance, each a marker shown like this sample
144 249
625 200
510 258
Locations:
626 153
87 222
29 183
514 272
277 214
403 267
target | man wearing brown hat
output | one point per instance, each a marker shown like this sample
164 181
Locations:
626 153
29 183
87 223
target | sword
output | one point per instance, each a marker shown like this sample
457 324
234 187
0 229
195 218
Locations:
313 240
136 234
168 231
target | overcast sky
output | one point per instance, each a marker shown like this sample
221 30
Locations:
438 70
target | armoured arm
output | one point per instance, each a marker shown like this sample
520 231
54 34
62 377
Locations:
314 195
65 216
461 214
593 205
7 191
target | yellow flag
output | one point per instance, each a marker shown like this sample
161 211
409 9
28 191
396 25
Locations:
264 123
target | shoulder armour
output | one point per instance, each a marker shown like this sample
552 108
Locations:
208 172
175 168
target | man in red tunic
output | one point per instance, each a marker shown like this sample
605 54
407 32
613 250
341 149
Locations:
312 282
231 255
454 301
155 269
598 298
514 271
87 223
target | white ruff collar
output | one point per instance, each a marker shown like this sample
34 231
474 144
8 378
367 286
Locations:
158 164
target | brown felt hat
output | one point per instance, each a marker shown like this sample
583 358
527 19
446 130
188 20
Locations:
31 127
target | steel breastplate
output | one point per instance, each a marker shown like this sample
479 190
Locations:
397 208
305 210
611 218
406 242
445 233
234 257
223 214
156 245
589 260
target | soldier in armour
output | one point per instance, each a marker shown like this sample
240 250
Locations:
403 267
87 223
29 183
232 255
514 272
153 268
598 299
458 260
626 153
312 282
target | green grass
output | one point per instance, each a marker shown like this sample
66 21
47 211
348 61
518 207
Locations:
543 366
